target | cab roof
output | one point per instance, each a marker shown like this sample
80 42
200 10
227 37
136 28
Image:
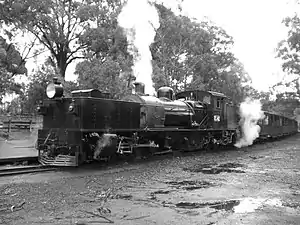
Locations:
213 93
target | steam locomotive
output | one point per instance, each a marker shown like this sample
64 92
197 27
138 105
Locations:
90 125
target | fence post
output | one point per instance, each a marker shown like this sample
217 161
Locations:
9 126
30 125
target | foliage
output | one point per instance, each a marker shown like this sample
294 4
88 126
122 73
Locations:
186 54
191 55
61 26
104 76
36 89
176 41
11 64
108 64
289 51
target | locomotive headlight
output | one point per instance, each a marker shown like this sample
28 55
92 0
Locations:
50 91
54 89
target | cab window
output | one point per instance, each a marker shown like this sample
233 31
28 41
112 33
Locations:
218 103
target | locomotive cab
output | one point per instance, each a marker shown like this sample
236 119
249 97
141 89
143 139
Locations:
212 109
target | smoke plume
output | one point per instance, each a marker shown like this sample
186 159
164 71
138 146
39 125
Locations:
139 19
250 112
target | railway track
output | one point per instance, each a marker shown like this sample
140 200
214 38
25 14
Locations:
25 169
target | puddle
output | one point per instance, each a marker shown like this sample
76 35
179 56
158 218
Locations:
219 205
123 196
246 205
294 205
251 204
161 192
190 184
222 168
228 205
230 165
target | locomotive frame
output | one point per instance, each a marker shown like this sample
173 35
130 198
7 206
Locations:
92 126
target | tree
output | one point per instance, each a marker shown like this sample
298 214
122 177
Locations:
36 89
108 64
11 64
105 76
196 55
289 51
172 50
234 82
60 26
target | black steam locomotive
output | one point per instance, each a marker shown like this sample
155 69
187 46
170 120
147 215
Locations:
92 126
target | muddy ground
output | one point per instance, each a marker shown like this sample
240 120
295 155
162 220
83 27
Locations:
255 185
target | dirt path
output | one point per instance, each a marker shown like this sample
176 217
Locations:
256 185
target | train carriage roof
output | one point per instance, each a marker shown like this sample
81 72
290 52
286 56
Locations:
278 114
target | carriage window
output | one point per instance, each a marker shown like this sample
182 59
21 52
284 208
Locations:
274 120
266 120
218 103
280 121
277 121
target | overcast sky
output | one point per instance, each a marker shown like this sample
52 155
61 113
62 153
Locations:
256 28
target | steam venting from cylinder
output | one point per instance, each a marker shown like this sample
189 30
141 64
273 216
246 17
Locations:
104 141
250 112
139 19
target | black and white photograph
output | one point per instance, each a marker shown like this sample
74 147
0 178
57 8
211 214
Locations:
131 112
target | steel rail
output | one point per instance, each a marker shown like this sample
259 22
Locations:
25 170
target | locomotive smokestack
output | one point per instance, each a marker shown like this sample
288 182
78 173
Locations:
139 88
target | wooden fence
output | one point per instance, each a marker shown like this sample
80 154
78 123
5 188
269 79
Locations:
20 123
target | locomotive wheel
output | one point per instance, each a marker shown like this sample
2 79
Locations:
210 147
161 143
113 158
234 140
142 153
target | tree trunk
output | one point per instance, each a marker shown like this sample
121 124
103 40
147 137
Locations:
62 63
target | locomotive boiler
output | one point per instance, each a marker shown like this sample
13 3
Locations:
90 125
163 110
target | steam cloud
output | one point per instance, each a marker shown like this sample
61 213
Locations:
104 141
250 112
140 20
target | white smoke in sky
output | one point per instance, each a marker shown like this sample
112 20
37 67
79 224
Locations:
140 20
250 112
